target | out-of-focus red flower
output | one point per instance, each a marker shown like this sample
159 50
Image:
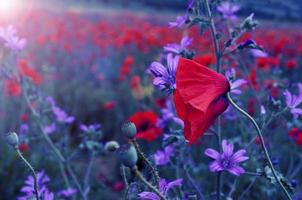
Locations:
109 105
23 147
30 72
199 97
145 122
267 62
118 186
24 117
251 106
126 67
291 64
161 102
12 88
253 78
206 59
135 81
296 134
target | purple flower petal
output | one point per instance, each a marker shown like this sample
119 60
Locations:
212 153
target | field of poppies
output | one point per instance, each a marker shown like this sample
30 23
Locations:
112 103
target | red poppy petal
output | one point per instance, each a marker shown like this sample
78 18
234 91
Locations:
199 85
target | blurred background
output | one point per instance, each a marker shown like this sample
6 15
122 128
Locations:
91 56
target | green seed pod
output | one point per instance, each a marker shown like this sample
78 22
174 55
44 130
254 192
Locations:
128 155
129 129
111 146
12 139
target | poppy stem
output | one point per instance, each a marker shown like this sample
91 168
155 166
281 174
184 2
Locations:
32 171
146 161
141 177
262 144
218 57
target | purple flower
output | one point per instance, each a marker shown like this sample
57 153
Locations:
60 114
293 101
228 10
164 77
230 113
28 188
168 115
262 110
90 128
227 160
178 48
235 84
258 53
190 4
11 41
180 20
164 188
23 129
162 157
67 192
50 128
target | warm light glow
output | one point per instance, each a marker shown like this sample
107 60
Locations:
10 8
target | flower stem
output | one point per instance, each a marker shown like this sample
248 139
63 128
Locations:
146 161
33 172
218 57
262 144
154 189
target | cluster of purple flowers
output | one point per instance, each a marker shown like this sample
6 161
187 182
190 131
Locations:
44 192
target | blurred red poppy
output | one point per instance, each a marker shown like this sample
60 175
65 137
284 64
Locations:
199 97
12 88
30 72
145 122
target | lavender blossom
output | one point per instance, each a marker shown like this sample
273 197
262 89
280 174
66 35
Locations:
164 77
11 41
50 128
164 188
259 53
180 21
162 157
235 84
228 10
28 188
293 101
227 160
168 115
178 48
60 114
23 129
90 128
67 192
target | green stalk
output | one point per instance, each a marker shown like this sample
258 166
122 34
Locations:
262 145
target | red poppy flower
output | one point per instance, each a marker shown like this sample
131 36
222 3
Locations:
12 88
109 105
30 72
206 59
199 97
24 147
145 122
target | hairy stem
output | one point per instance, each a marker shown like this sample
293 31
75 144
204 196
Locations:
262 144
146 161
154 189
32 171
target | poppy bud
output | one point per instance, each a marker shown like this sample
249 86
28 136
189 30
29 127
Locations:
128 155
12 139
111 146
129 129
249 23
